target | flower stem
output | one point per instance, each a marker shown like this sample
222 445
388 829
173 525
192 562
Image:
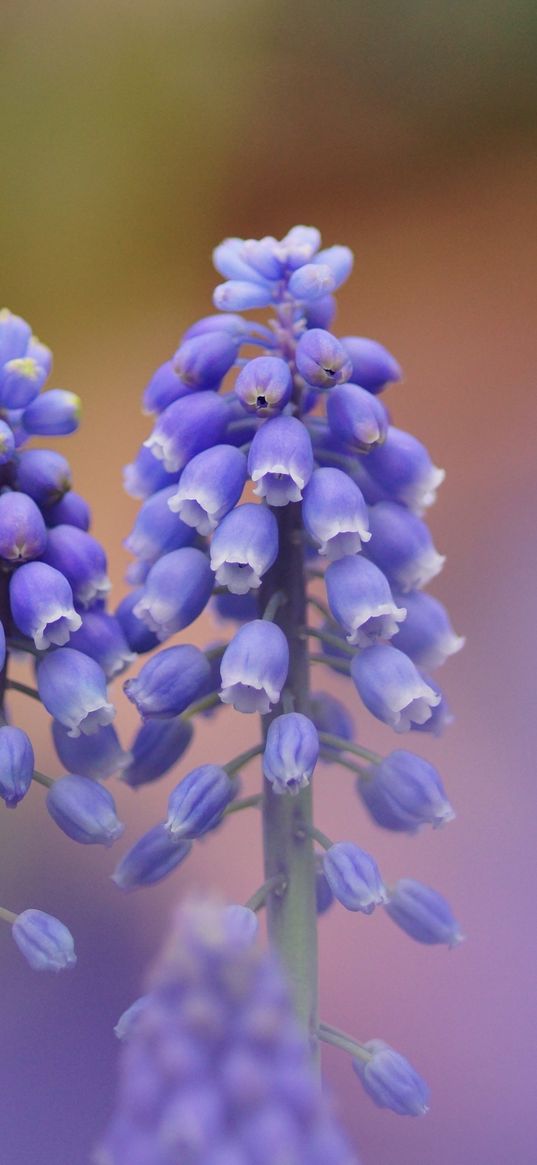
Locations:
274 885
7 915
238 762
288 847
328 738
15 686
339 1039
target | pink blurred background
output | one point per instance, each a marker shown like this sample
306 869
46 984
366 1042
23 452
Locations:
135 137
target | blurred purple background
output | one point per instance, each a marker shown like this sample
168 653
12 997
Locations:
135 137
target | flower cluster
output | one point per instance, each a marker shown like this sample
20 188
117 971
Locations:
215 1068
53 588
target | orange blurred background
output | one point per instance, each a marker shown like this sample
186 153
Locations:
135 137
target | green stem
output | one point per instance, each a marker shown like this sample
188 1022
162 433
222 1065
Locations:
313 601
332 759
331 640
320 837
243 803
15 686
288 847
8 915
348 746
274 885
339 665
238 762
41 779
203 705
339 1039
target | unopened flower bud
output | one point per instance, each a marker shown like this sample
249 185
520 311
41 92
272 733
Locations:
264 385
391 1081
291 752
45 942
423 913
169 681
353 877
243 547
254 667
16 764
84 810
198 801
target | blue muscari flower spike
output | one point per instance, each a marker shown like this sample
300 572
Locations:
177 589
157 746
210 486
391 687
404 472
169 681
53 414
150 859
16 764
280 461
291 752
44 475
353 877
427 635
373 367
254 667
42 607
102 637
198 802
81 558
401 545
84 810
423 913
47 945
145 475
404 792
7 443
321 359
264 385
164 387
356 417
361 601
187 427
243 547
156 529
243 1089
139 637
203 361
391 1081
73 689
97 756
334 513
71 510
23 533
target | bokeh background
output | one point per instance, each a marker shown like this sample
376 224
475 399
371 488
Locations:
135 135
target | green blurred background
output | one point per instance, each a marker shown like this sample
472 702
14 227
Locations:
134 137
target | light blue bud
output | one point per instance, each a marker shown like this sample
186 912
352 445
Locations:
73 689
47 945
145 475
156 530
53 414
21 382
340 261
335 513
231 261
84 810
44 475
361 601
320 313
203 361
23 533
321 360
299 246
42 605
241 924
15 336
7 443
356 417
127 1021
234 325
404 472
423 913
97 756
254 667
169 681
427 635
280 461
186 427
38 351
402 547
139 638
244 547
157 746
353 877
391 1081
164 387
151 858
241 295
101 636
404 792
81 558
209 487
372 365
264 385
198 801
177 589
312 281
291 752
391 687
16 764
71 510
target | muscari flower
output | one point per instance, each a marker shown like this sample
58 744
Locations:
164 387
356 417
157 530
373 367
423 913
402 547
176 590
198 801
334 513
243 547
139 637
23 533
321 359
353 877
16 764
169 681
404 472
215 1067
52 414
97 756
187 427
41 603
73 689
47 945
84 810
101 636
146 475
202 361
426 635
280 461
254 667
404 792
331 716
71 510
150 859
264 385
7 443
391 1081
44 475
81 558
392 688
291 752
210 486
157 746
361 601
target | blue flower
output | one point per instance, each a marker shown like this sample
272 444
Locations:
71 510
44 475
139 637
321 359
7 443
198 802
41 602
47 945
164 387
146 475
312 281
53 414
291 752
244 547
391 687
331 716
391 1081
81 558
264 385
404 792
23 533
202 361
16 764
97 756
209 487
73 689
254 667
280 461
372 365
353 877
423 913
102 637
157 530
185 428
150 859
84 810
361 601
157 746
169 681
334 513
356 417
177 589
403 470
426 634
401 545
